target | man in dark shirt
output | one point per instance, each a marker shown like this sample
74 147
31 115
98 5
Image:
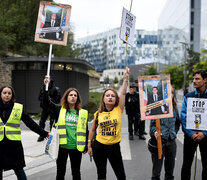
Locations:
133 112
54 94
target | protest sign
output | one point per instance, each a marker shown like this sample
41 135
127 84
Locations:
127 27
196 114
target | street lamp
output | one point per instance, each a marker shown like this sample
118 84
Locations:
185 45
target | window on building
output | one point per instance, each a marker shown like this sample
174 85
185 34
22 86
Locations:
69 67
58 67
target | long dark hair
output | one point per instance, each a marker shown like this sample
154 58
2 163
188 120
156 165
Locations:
13 92
102 104
64 99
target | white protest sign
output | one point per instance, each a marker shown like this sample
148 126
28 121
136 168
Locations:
127 27
196 114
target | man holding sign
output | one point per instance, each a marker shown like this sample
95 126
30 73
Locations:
193 136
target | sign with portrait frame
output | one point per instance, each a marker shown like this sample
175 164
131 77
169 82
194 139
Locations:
155 97
53 23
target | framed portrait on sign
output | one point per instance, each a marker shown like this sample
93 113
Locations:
52 23
155 97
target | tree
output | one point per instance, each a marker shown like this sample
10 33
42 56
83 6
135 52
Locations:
193 58
116 80
176 75
17 29
152 70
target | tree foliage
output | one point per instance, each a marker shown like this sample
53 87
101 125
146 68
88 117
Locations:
193 58
152 70
17 29
176 75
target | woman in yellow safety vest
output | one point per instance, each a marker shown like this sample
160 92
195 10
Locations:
73 130
11 149
106 145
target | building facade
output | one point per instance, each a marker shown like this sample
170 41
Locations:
179 28
27 75
107 51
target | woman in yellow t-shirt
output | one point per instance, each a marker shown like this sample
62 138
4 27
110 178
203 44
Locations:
108 118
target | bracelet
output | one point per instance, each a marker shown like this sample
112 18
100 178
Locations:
89 141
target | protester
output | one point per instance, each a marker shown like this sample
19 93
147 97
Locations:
133 112
194 138
54 94
72 128
169 128
141 124
186 90
107 143
11 149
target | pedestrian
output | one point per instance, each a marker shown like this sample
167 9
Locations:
133 112
107 142
11 149
186 90
141 124
194 138
72 128
169 128
54 94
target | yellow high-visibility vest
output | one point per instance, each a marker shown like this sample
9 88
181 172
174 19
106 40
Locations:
81 128
12 126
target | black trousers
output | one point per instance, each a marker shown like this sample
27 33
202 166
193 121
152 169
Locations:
75 161
132 121
189 149
19 173
169 153
44 115
103 152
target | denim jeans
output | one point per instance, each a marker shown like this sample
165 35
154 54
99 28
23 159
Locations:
169 153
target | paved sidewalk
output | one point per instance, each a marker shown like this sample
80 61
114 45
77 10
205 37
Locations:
35 157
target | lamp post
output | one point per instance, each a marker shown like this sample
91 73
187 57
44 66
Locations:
185 45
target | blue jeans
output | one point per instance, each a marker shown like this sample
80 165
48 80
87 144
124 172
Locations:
169 153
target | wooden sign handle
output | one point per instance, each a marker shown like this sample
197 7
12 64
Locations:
159 142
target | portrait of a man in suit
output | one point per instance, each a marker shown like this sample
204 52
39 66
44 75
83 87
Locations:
53 22
153 98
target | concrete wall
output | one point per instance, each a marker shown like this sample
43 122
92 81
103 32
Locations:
5 73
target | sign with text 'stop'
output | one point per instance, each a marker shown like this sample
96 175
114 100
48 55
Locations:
196 114
127 27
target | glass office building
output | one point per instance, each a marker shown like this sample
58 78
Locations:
204 24
107 51
179 28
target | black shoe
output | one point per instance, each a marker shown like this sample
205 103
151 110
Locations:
136 133
131 137
142 137
145 133
40 139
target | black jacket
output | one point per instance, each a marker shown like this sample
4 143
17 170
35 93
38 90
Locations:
11 152
132 103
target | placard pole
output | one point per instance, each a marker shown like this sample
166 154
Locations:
48 65
159 139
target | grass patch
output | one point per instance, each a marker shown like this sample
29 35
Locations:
93 105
